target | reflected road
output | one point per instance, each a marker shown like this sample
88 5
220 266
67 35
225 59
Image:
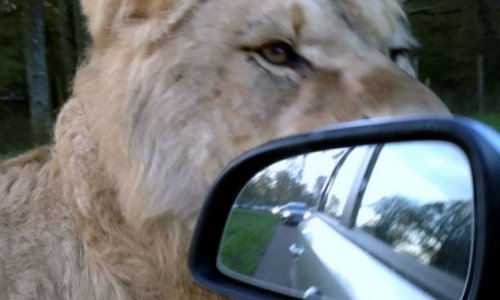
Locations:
277 260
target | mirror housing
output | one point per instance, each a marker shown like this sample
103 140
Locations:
480 143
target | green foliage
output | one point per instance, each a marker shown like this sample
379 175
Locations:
12 45
492 120
15 134
12 69
452 35
245 240
279 189
64 43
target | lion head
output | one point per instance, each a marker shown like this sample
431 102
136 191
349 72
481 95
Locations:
173 90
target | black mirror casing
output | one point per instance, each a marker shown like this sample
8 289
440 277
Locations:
479 142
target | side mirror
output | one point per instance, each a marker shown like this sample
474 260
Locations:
402 209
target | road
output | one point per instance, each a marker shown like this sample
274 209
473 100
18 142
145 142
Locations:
277 260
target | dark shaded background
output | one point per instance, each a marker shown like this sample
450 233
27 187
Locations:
41 43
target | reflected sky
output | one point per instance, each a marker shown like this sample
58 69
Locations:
308 167
426 171
423 171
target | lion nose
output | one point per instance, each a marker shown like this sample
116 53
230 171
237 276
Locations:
391 92
335 97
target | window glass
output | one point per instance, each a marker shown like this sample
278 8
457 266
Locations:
419 201
340 189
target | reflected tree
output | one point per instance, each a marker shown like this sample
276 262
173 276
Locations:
257 192
274 190
288 189
437 233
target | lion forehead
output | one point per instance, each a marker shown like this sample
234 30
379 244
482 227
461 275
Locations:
376 23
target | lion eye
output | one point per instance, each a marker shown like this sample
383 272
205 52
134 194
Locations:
279 53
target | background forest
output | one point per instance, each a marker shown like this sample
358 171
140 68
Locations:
41 43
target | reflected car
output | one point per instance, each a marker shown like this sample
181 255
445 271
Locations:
294 212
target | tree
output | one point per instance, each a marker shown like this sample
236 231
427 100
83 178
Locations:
12 67
288 189
36 69
68 63
279 189
453 34
257 192
438 233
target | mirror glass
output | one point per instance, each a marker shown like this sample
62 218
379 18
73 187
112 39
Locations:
385 221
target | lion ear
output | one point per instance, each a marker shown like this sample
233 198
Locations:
106 17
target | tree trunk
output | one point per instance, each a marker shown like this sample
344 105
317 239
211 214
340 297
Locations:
36 66
480 84
67 55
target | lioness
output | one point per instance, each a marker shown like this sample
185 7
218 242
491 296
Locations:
172 91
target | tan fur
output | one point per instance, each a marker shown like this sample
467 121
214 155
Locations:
171 92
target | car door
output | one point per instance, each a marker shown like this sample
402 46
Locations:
310 273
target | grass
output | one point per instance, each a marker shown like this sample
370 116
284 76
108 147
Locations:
492 120
246 238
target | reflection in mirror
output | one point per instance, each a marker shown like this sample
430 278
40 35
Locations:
385 221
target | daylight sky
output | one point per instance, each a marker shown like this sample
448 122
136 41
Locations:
424 171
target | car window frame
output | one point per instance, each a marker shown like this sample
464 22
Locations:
345 218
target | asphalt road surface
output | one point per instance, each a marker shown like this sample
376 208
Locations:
277 261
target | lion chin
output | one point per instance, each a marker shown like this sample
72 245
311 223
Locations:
172 91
